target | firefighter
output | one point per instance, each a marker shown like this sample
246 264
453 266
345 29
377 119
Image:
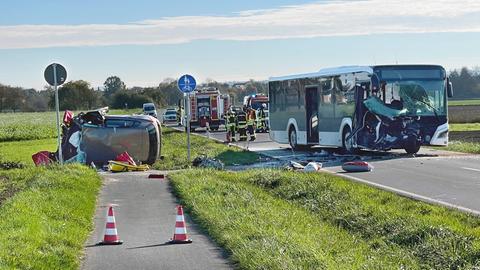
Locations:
231 124
251 123
261 124
242 124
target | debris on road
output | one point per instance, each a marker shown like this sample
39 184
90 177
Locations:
313 167
357 166
206 162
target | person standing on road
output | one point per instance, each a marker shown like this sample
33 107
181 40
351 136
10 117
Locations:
231 124
242 124
261 124
251 118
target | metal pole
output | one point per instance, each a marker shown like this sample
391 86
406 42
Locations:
188 127
57 109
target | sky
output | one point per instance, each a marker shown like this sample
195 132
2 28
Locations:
145 41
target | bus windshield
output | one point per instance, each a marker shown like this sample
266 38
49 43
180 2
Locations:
419 90
418 97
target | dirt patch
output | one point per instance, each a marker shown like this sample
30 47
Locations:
464 136
7 190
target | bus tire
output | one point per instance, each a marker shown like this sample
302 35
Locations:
347 146
292 138
412 146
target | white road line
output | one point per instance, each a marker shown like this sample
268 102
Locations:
471 169
408 194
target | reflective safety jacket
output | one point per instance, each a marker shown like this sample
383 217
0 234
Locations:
241 120
231 119
251 117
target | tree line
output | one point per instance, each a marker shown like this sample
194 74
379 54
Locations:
80 95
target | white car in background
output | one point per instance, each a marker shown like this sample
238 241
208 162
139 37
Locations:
170 116
149 109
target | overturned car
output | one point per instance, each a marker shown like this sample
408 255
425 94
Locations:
95 137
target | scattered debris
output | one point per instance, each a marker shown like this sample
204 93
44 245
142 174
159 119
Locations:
8 165
357 166
292 165
313 167
206 162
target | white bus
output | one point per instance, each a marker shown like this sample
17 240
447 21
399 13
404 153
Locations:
362 107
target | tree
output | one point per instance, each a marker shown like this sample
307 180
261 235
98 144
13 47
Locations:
112 85
76 95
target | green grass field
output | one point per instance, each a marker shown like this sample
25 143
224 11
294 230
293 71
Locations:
46 215
465 127
464 102
271 219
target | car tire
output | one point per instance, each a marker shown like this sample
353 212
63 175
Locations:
292 138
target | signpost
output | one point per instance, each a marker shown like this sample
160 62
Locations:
187 84
55 75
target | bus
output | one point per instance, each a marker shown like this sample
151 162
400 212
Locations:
362 107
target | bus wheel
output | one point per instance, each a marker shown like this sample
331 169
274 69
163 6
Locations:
292 138
347 144
412 146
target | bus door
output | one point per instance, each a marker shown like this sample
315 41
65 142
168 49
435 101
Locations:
327 124
311 106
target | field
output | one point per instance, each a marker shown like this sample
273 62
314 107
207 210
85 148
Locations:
464 102
464 114
272 219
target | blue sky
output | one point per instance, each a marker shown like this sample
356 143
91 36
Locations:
144 42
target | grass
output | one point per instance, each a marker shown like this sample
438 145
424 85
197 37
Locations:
42 225
464 102
271 219
174 150
22 151
35 126
465 127
463 147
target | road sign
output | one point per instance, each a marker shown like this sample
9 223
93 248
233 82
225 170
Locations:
51 77
186 83
55 74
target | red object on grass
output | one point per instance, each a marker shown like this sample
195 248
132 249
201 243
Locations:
42 158
126 158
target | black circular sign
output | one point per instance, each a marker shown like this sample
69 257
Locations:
61 74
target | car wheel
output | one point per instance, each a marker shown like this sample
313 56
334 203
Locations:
292 138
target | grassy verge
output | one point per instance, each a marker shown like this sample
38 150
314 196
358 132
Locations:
22 150
464 147
465 127
464 102
45 216
369 228
264 232
174 150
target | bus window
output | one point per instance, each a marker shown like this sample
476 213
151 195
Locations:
327 90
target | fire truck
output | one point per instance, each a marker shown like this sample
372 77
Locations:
207 107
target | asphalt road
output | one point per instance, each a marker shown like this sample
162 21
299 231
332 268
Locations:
446 178
145 218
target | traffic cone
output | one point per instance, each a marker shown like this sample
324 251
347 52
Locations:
111 236
180 235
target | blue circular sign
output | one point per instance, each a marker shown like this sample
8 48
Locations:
186 83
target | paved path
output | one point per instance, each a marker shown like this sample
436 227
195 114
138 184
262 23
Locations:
145 217
442 177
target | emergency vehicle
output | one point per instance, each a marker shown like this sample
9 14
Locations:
207 107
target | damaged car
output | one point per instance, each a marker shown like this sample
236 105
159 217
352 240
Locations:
96 137
362 107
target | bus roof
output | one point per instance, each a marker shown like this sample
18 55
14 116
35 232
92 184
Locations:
326 72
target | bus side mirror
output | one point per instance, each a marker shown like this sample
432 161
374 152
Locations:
449 88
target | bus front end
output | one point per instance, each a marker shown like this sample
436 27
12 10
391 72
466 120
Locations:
405 107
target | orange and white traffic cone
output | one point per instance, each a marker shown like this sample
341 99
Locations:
111 236
180 235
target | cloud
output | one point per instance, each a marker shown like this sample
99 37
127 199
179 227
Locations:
319 19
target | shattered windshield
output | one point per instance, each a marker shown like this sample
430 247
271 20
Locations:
418 97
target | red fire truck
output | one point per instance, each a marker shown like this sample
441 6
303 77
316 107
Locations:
207 106
255 101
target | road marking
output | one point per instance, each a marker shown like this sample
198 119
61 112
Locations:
408 194
471 169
